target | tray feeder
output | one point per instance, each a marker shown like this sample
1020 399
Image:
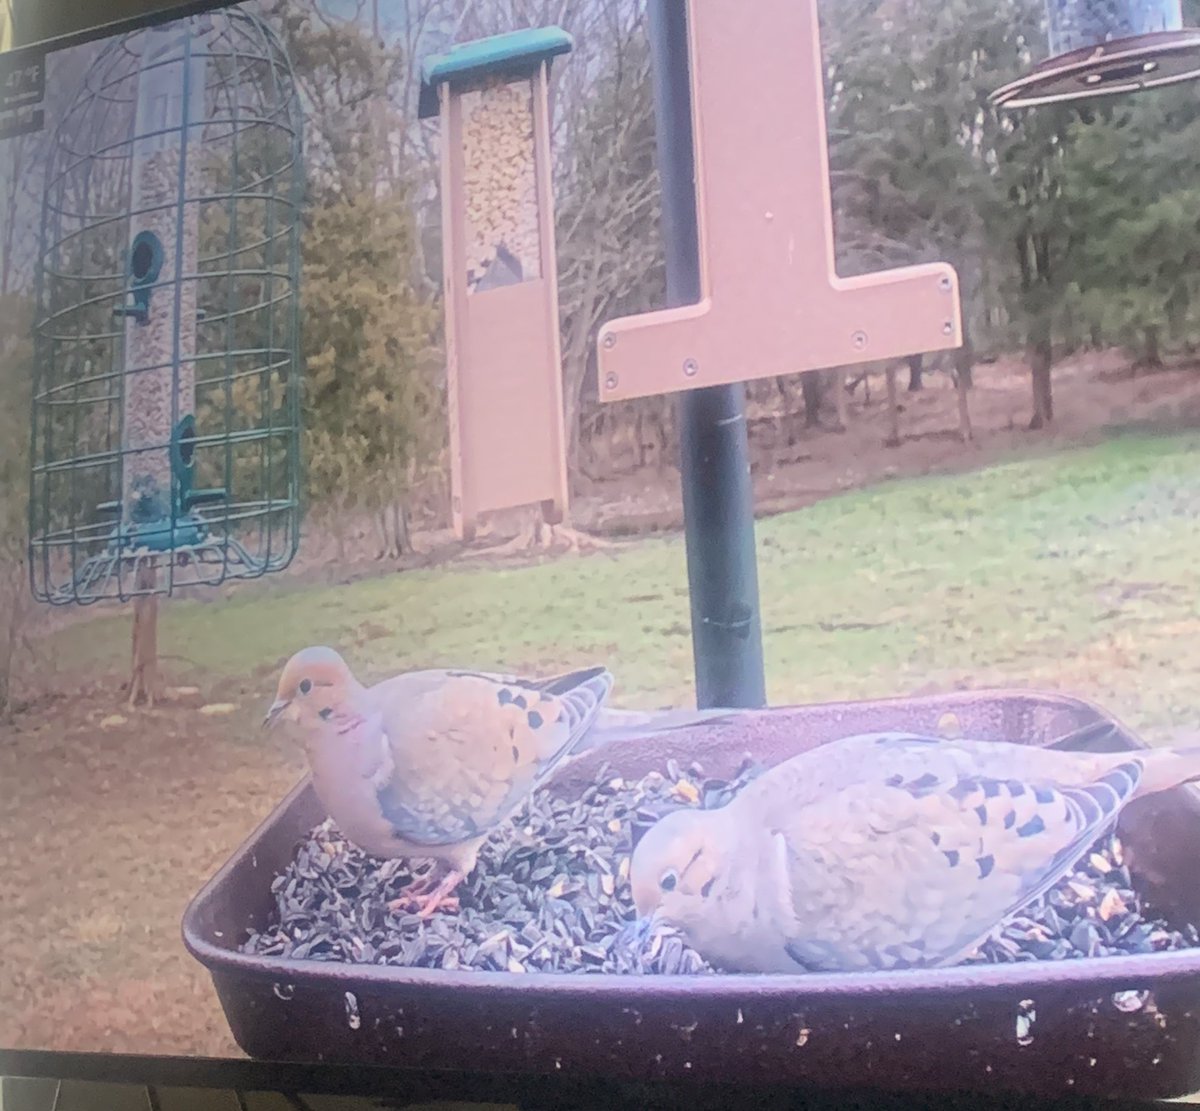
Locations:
772 302
165 416
1120 1027
1103 47
503 359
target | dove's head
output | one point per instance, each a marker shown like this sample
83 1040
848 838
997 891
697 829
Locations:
678 867
315 688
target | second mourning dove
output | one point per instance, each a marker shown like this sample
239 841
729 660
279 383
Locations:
884 851
426 764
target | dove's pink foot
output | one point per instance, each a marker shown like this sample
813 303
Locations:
418 899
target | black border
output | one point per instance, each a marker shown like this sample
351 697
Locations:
420 1086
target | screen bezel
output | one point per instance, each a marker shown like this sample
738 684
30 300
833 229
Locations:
411 1085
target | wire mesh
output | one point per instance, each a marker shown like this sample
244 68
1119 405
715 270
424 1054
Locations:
165 417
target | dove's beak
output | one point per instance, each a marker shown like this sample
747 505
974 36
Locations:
277 708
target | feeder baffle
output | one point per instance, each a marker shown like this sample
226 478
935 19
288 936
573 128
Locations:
1102 47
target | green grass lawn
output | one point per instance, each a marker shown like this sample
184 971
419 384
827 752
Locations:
1075 571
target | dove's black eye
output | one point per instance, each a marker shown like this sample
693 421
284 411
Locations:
668 880
305 686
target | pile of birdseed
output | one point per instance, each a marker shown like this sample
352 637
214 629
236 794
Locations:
1093 912
551 893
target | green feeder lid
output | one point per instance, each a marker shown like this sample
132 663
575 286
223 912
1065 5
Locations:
516 52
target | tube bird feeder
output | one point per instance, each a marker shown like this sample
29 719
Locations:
1102 47
158 418
504 367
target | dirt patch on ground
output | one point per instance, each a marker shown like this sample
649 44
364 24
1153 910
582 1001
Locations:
118 821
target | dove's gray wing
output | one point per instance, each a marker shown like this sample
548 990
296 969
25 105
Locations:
914 854
468 747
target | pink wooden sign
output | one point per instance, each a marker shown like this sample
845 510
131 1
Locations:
772 302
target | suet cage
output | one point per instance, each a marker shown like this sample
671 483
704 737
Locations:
165 417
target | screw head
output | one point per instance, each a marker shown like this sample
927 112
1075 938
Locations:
944 284
859 339
690 367
948 328
610 340
610 381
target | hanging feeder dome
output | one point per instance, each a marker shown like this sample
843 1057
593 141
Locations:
1103 47
166 406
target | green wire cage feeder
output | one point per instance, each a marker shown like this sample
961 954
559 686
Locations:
165 438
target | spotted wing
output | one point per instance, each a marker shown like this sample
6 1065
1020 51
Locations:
916 860
468 747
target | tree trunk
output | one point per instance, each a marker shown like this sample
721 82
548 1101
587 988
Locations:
916 367
964 360
574 371
1041 358
810 384
400 525
837 383
339 526
965 431
1153 350
893 438
143 682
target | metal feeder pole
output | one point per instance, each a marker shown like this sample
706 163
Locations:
718 500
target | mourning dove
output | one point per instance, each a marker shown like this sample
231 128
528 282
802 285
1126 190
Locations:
884 851
426 764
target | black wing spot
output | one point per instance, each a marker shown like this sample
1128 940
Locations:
986 864
893 781
990 788
505 696
516 754
951 856
706 890
981 810
935 837
1043 794
520 702
1015 788
1010 819
962 789
535 719
922 785
1034 825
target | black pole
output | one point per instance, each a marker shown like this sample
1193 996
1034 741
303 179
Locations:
718 501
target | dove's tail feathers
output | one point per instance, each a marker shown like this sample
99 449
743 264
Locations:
1165 768
582 694
597 680
622 725
1088 738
